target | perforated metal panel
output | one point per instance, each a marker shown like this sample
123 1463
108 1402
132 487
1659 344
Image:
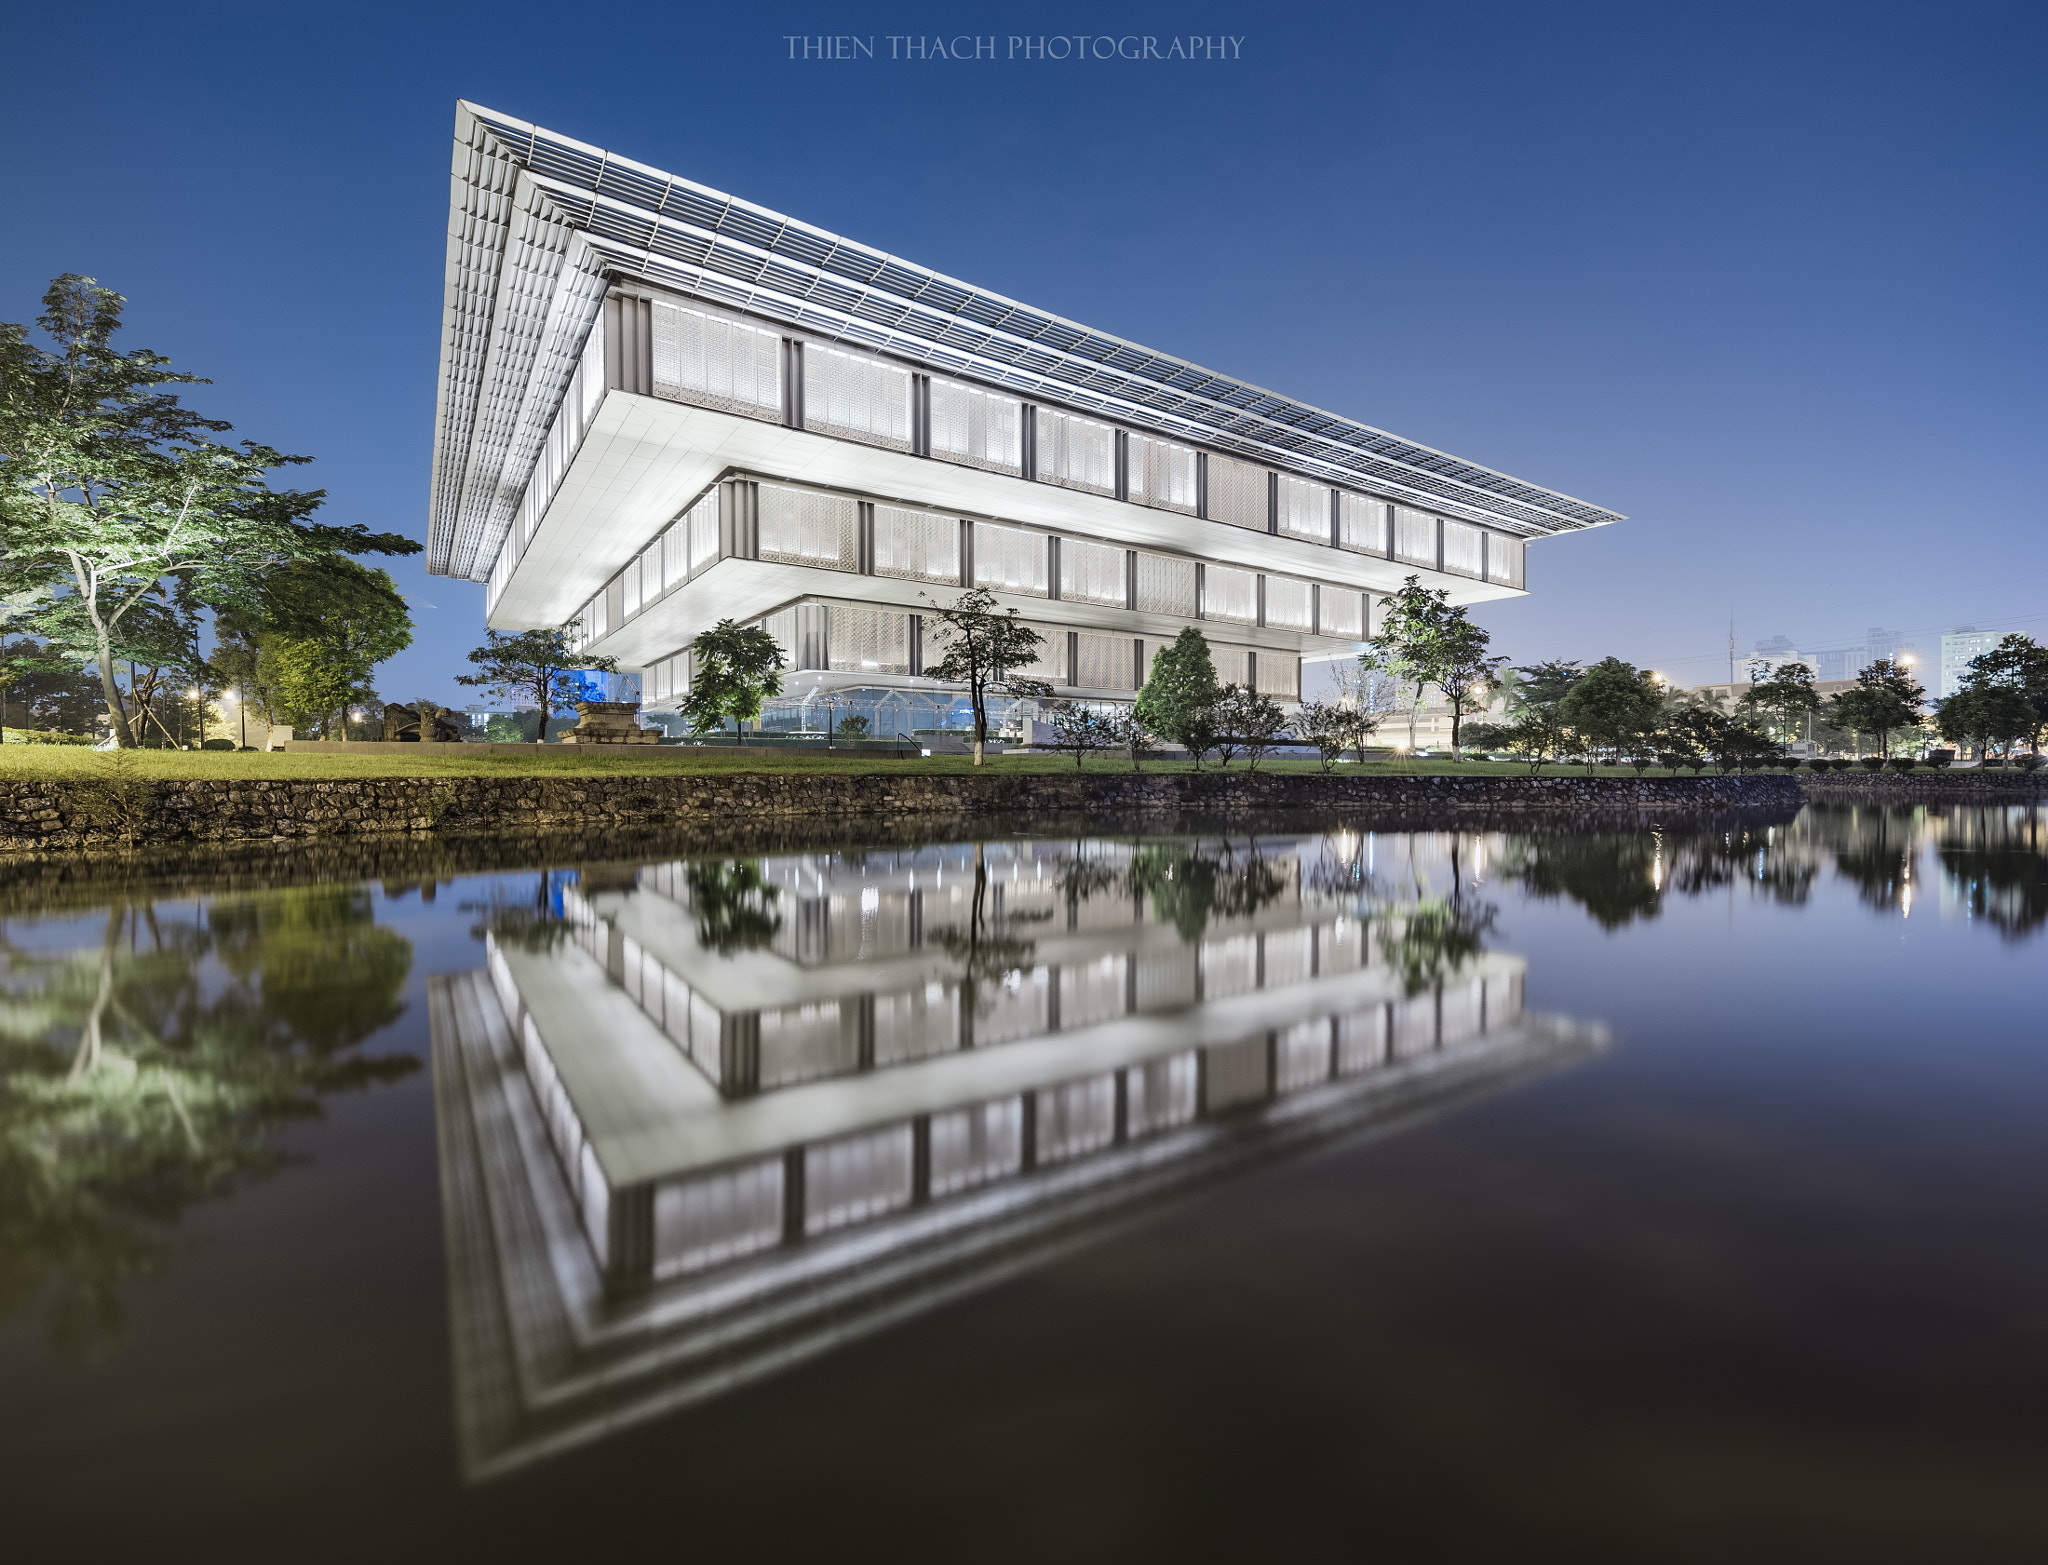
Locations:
1159 1095
1288 604
717 363
1162 474
1009 559
856 1177
1361 523
805 527
1341 612
1230 594
916 545
1091 572
856 398
1304 509
1102 662
1279 674
1237 493
703 522
1075 452
1414 537
1504 559
1463 548
874 641
1166 585
1076 1118
782 626
629 589
971 1146
1233 664
976 428
1050 663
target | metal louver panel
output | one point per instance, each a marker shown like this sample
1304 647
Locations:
1414 537
1304 509
916 545
703 522
1340 612
1464 546
1162 474
717 363
782 626
805 527
1279 674
1361 524
977 428
872 641
1102 662
1050 663
856 398
1233 664
1287 603
1092 572
1076 453
1504 559
1166 585
1009 559
1237 493
1230 594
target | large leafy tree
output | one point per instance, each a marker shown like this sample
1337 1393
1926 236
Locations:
319 631
734 669
1179 697
1425 640
1784 699
1988 716
1614 705
533 668
980 647
111 485
2018 664
1885 700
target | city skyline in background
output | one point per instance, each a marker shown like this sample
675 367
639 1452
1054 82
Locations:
1763 279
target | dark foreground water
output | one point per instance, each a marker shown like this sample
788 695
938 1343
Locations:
1351 1192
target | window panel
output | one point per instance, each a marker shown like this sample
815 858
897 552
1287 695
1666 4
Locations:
1102 662
874 641
971 1146
717 1217
1162 474
1361 524
1287 603
1504 559
856 398
1237 493
805 527
1160 1094
856 1177
1414 537
1232 664
1341 612
717 363
629 589
1230 594
1462 545
1304 509
703 520
916 545
977 428
675 551
1091 572
1076 1118
1076 452
1279 674
1009 559
1166 585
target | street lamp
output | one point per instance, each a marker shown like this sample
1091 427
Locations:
199 706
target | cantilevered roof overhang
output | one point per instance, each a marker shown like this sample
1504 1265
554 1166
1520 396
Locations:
539 223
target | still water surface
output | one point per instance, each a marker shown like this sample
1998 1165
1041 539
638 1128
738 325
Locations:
1343 1190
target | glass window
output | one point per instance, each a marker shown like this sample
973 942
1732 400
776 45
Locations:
916 545
1463 544
1414 537
1361 524
1288 603
1504 559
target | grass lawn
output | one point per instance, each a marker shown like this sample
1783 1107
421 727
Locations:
59 761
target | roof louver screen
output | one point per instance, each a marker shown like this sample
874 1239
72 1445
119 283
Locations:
717 363
1463 545
1361 524
916 545
1237 493
1076 453
1304 509
1162 474
1009 559
856 398
1414 536
1166 585
804 527
1287 603
1504 559
872 641
1230 594
977 428
1091 572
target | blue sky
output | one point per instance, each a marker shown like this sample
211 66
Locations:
1767 278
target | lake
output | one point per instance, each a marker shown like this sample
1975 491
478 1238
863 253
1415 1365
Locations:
1339 1188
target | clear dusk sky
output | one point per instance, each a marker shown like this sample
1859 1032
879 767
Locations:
1767 278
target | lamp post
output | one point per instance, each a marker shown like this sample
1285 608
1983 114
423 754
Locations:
199 706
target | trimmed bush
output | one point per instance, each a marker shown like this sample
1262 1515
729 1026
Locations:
218 744
1940 760
1904 763
1873 763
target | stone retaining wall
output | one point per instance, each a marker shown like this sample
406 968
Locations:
1921 785
70 815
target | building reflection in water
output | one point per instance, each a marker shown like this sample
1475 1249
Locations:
726 1114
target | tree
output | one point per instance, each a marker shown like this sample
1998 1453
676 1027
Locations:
1544 684
980 647
1079 730
1536 735
1613 704
2016 664
1131 736
1886 698
1785 697
1466 674
853 726
535 667
1410 643
110 485
1696 730
323 626
1988 715
734 668
1331 727
1254 722
1180 693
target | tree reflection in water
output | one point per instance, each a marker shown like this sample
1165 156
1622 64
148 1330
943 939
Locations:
152 1071
1622 876
735 906
1188 883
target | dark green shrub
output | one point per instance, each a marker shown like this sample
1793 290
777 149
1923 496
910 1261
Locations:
1904 763
1940 760
1873 763
218 744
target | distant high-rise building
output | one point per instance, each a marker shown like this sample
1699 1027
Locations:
1957 648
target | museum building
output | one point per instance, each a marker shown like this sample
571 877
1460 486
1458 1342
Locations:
660 407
